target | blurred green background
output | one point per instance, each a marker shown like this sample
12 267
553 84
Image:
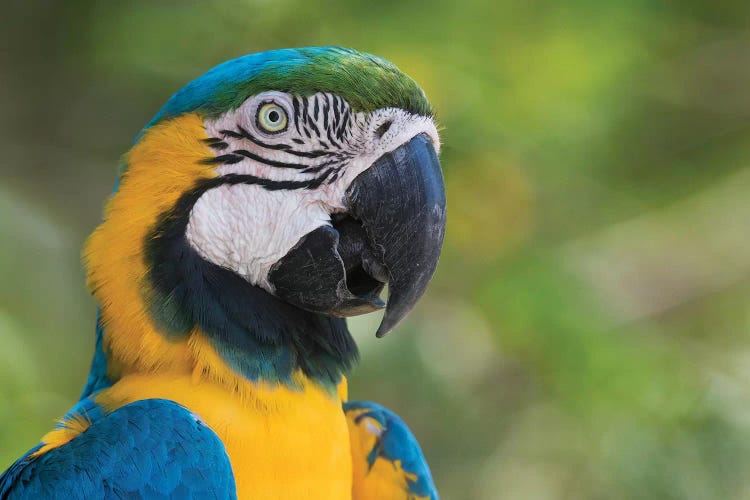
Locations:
586 335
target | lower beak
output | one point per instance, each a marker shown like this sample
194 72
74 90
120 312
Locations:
392 232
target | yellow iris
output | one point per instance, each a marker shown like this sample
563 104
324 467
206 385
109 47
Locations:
272 118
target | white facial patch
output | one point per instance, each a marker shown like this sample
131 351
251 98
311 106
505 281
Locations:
246 228
285 184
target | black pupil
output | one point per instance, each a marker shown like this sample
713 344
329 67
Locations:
273 116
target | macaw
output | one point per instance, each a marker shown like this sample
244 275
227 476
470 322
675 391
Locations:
268 200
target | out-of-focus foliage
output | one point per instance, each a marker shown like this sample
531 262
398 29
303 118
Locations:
586 335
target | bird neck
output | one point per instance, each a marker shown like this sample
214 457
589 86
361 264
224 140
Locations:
164 309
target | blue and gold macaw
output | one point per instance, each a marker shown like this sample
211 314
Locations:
265 202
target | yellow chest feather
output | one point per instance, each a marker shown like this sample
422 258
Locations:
282 443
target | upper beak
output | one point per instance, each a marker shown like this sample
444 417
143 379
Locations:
392 232
400 201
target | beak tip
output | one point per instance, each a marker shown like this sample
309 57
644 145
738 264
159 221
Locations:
387 325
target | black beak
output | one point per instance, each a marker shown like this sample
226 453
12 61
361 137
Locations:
392 232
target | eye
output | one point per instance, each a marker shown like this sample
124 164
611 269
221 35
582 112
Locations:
271 118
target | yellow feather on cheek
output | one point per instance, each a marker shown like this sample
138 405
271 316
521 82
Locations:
161 167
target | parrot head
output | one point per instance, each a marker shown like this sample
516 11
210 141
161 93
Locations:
268 199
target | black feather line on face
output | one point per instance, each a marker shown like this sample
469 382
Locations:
215 143
326 110
305 104
295 105
266 161
336 112
331 139
225 159
343 127
258 335
314 126
241 133
269 184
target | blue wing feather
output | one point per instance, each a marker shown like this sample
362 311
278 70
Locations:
397 443
152 448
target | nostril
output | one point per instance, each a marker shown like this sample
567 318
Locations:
383 128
